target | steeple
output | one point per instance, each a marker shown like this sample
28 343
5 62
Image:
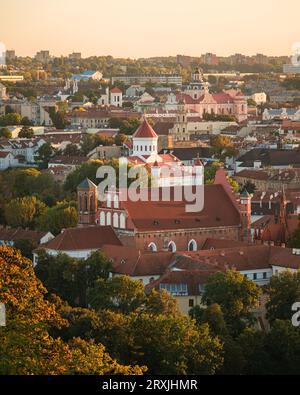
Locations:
87 196
282 212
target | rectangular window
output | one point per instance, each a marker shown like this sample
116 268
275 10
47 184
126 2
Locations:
254 276
191 302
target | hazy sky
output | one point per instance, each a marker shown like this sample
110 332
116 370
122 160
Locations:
140 28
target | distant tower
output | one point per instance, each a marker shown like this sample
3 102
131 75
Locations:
87 202
197 76
180 129
116 97
245 210
68 85
75 87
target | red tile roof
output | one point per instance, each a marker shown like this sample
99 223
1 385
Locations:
116 90
193 279
4 154
222 98
12 234
130 261
85 238
145 131
155 216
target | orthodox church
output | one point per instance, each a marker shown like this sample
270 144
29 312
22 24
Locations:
165 169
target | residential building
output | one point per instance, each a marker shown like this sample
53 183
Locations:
171 79
291 68
43 56
79 242
9 236
3 93
75 56
7 160
270 180
281 114
87 75
259 98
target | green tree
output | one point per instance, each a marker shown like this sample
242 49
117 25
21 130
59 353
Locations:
26 347
23 212
175 345
58 118
10 119
222 147
214 317
210 172
70 278
61 216
236 295
26 247
249 187
284 291
71 150
5 132
8 109
45 152
26 133
256 356
120 138
118 293
86 170
88 144
294 241
160 302
282 345
25 121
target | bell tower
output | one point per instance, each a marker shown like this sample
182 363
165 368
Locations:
87 195
180 129
245 210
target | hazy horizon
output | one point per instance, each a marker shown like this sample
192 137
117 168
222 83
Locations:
139 29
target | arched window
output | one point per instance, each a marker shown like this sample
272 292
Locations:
152 247
116 201
122 221
108 219
92 203
108 200
116 220
192 246
85 203
172 246
102 218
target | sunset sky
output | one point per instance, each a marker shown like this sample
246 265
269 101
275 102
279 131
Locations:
140 28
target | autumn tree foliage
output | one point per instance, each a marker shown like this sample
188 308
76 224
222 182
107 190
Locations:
26 346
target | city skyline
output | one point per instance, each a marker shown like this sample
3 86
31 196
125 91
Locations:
122 30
